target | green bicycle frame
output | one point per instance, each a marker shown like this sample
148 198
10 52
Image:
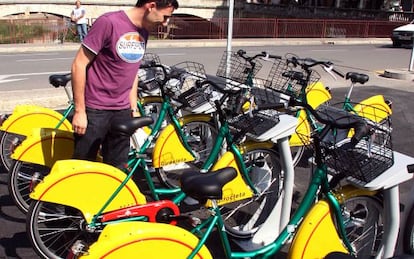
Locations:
319 183
65 114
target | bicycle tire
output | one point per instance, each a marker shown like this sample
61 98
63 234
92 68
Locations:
408 241
364 224
201 136
297 154
243 219
8 142
19 180
53 228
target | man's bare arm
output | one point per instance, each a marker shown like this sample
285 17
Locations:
79 65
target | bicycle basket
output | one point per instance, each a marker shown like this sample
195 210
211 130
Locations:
255 125
236 68
370 157
264 95
148 76
183 86
290 80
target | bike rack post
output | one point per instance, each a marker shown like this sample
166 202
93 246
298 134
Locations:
410 68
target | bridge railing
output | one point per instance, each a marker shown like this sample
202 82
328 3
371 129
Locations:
60 30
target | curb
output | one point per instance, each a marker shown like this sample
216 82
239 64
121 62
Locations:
41 97
19 48
402 74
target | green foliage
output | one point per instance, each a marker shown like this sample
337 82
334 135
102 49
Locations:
19 32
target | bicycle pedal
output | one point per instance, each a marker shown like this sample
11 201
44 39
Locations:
194 221
78 248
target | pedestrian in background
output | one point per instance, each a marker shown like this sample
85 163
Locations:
78 16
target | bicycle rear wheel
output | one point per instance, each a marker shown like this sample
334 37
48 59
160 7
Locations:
242 219
54 228
8 142
201 136
20 178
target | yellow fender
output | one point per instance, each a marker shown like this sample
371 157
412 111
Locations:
145 240
317 236
316 94
237 189
374 108
86 186
25 117
168 147
302 132
45 146
348 191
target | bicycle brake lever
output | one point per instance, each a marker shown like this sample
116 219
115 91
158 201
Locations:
266 57
329 69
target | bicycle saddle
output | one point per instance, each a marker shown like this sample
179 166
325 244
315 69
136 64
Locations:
357 77
208 185
340 118
60 80
128 127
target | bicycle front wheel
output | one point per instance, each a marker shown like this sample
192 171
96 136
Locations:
409 233
20 178
297 154
54 228
364 224
242 219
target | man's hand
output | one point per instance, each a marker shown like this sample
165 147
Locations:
135 113
79 123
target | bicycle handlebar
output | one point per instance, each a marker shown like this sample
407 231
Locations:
307 63
264 55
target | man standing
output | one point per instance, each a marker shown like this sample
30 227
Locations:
104 77
78 17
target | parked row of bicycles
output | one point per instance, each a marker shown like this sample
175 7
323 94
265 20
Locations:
216 155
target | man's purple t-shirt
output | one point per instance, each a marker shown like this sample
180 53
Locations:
119 47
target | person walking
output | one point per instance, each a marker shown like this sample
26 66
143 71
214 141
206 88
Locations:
78 16
105 81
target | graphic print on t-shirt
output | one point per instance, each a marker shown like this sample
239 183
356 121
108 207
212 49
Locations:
131 47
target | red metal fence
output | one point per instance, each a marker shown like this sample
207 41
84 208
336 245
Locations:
276 28
57 30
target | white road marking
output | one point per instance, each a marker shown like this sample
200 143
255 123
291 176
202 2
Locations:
2 81
42 59
20 77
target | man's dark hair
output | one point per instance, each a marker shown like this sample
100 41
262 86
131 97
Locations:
160 3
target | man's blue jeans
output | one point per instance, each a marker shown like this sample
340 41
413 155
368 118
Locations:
82 30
